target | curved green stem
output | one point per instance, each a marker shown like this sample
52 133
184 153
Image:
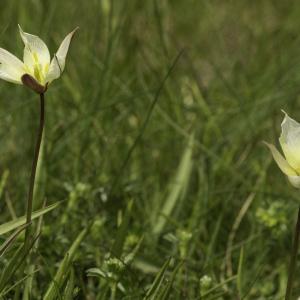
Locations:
34 166
293 260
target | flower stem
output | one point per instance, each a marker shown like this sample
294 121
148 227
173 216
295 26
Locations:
293 260
34 166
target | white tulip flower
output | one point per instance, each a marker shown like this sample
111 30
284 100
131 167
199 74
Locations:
37 70
290 144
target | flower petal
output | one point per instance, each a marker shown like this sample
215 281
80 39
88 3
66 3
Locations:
281 162
58 62
290 141
295 181
35 51
11 68
33 84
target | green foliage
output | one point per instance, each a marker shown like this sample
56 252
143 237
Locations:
153 135
11 225
274 217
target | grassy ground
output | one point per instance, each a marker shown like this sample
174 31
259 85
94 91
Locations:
153 145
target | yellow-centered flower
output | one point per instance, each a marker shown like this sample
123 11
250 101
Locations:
37 70
290 144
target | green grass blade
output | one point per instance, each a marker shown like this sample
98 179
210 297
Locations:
130 257
154 289
27 292
13 287
11 239
164 295
147 119
40 177
11 225
9 268
14 263
213 239
68 293
117 247
218 286
60 277
3 181
177 187
239 273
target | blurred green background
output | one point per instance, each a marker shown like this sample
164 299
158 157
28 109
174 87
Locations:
154 133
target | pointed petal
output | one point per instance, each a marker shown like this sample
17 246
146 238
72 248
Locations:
58 62
11 68
36 51
281 162
295 181
290 141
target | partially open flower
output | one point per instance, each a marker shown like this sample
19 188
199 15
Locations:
37 70
290 144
